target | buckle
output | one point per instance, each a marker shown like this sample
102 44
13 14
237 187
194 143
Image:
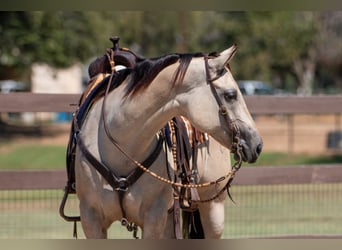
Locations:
123 184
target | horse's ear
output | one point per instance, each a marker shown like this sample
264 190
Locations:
225 56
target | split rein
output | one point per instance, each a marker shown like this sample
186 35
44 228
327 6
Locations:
236 145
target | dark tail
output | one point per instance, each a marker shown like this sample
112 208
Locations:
192 225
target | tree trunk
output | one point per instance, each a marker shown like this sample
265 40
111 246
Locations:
304 69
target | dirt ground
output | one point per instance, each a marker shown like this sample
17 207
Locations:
297 134
54 134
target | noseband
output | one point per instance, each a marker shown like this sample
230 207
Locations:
236 147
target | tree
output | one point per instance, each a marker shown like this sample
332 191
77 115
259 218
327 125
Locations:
57 38
290 49
330 48
286 42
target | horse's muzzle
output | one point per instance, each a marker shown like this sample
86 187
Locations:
249 154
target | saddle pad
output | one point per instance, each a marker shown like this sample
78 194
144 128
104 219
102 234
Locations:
193 135
90 95
95 90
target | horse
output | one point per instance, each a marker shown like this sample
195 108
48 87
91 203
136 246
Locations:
121 133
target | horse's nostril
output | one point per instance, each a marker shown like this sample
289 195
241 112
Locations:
259 149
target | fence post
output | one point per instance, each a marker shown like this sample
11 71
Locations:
338 121
291 133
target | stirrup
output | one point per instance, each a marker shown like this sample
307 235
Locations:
67 191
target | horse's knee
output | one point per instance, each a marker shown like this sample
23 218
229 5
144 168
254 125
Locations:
157 225
154 229
169 230
212 217
92 223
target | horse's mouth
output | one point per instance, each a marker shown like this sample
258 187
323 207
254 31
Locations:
247 154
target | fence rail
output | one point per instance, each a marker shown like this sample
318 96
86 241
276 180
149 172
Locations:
262 175
316 207
322 104
258 105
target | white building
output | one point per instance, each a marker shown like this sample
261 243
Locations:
46 79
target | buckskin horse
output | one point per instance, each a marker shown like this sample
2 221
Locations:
123 171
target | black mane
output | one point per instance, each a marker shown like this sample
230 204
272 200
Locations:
145 71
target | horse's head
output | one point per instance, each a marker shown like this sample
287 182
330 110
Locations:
214 104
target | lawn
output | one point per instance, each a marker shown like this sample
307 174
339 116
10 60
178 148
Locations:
35 156
275 210
32 156
284 159
260 211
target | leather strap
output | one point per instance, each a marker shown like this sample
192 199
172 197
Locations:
223 108
176 219
117 182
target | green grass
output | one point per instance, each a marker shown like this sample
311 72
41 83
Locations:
284 159
31 156
271 210
28 156
260 211
33 214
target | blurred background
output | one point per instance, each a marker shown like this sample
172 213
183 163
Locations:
281 53
299 52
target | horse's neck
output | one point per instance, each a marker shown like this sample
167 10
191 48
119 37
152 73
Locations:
144 114
134 121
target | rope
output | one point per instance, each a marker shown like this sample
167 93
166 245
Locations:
228 176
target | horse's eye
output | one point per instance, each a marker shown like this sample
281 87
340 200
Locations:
230 95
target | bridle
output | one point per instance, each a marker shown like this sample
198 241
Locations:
236 147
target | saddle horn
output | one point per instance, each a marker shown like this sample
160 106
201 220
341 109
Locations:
122 56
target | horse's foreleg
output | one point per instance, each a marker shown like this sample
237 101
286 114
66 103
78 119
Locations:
212 218
158 222
159 228
154 226
169 232
92 222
